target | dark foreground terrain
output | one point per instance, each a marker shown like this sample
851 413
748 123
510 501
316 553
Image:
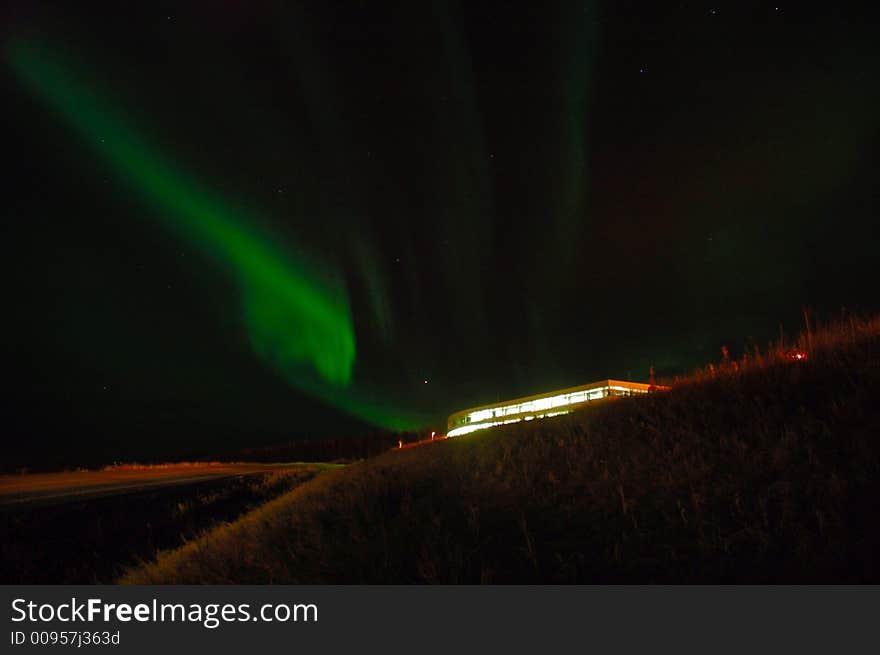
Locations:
90 541
759 470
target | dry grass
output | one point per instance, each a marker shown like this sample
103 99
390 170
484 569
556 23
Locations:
763 471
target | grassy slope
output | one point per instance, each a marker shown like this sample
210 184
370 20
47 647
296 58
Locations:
764 473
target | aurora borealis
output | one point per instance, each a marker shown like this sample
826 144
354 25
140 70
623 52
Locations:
248 224
292 318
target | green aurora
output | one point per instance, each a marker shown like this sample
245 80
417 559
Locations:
299 321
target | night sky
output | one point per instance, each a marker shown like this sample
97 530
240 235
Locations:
231 224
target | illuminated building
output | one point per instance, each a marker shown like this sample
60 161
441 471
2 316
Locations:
552 403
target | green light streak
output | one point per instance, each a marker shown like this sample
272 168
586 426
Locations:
550 285
298 323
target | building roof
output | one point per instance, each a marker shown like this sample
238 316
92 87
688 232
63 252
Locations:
640 386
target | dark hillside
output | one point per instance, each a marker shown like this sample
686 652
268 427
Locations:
761 470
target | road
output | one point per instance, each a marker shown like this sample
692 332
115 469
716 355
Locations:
53 488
